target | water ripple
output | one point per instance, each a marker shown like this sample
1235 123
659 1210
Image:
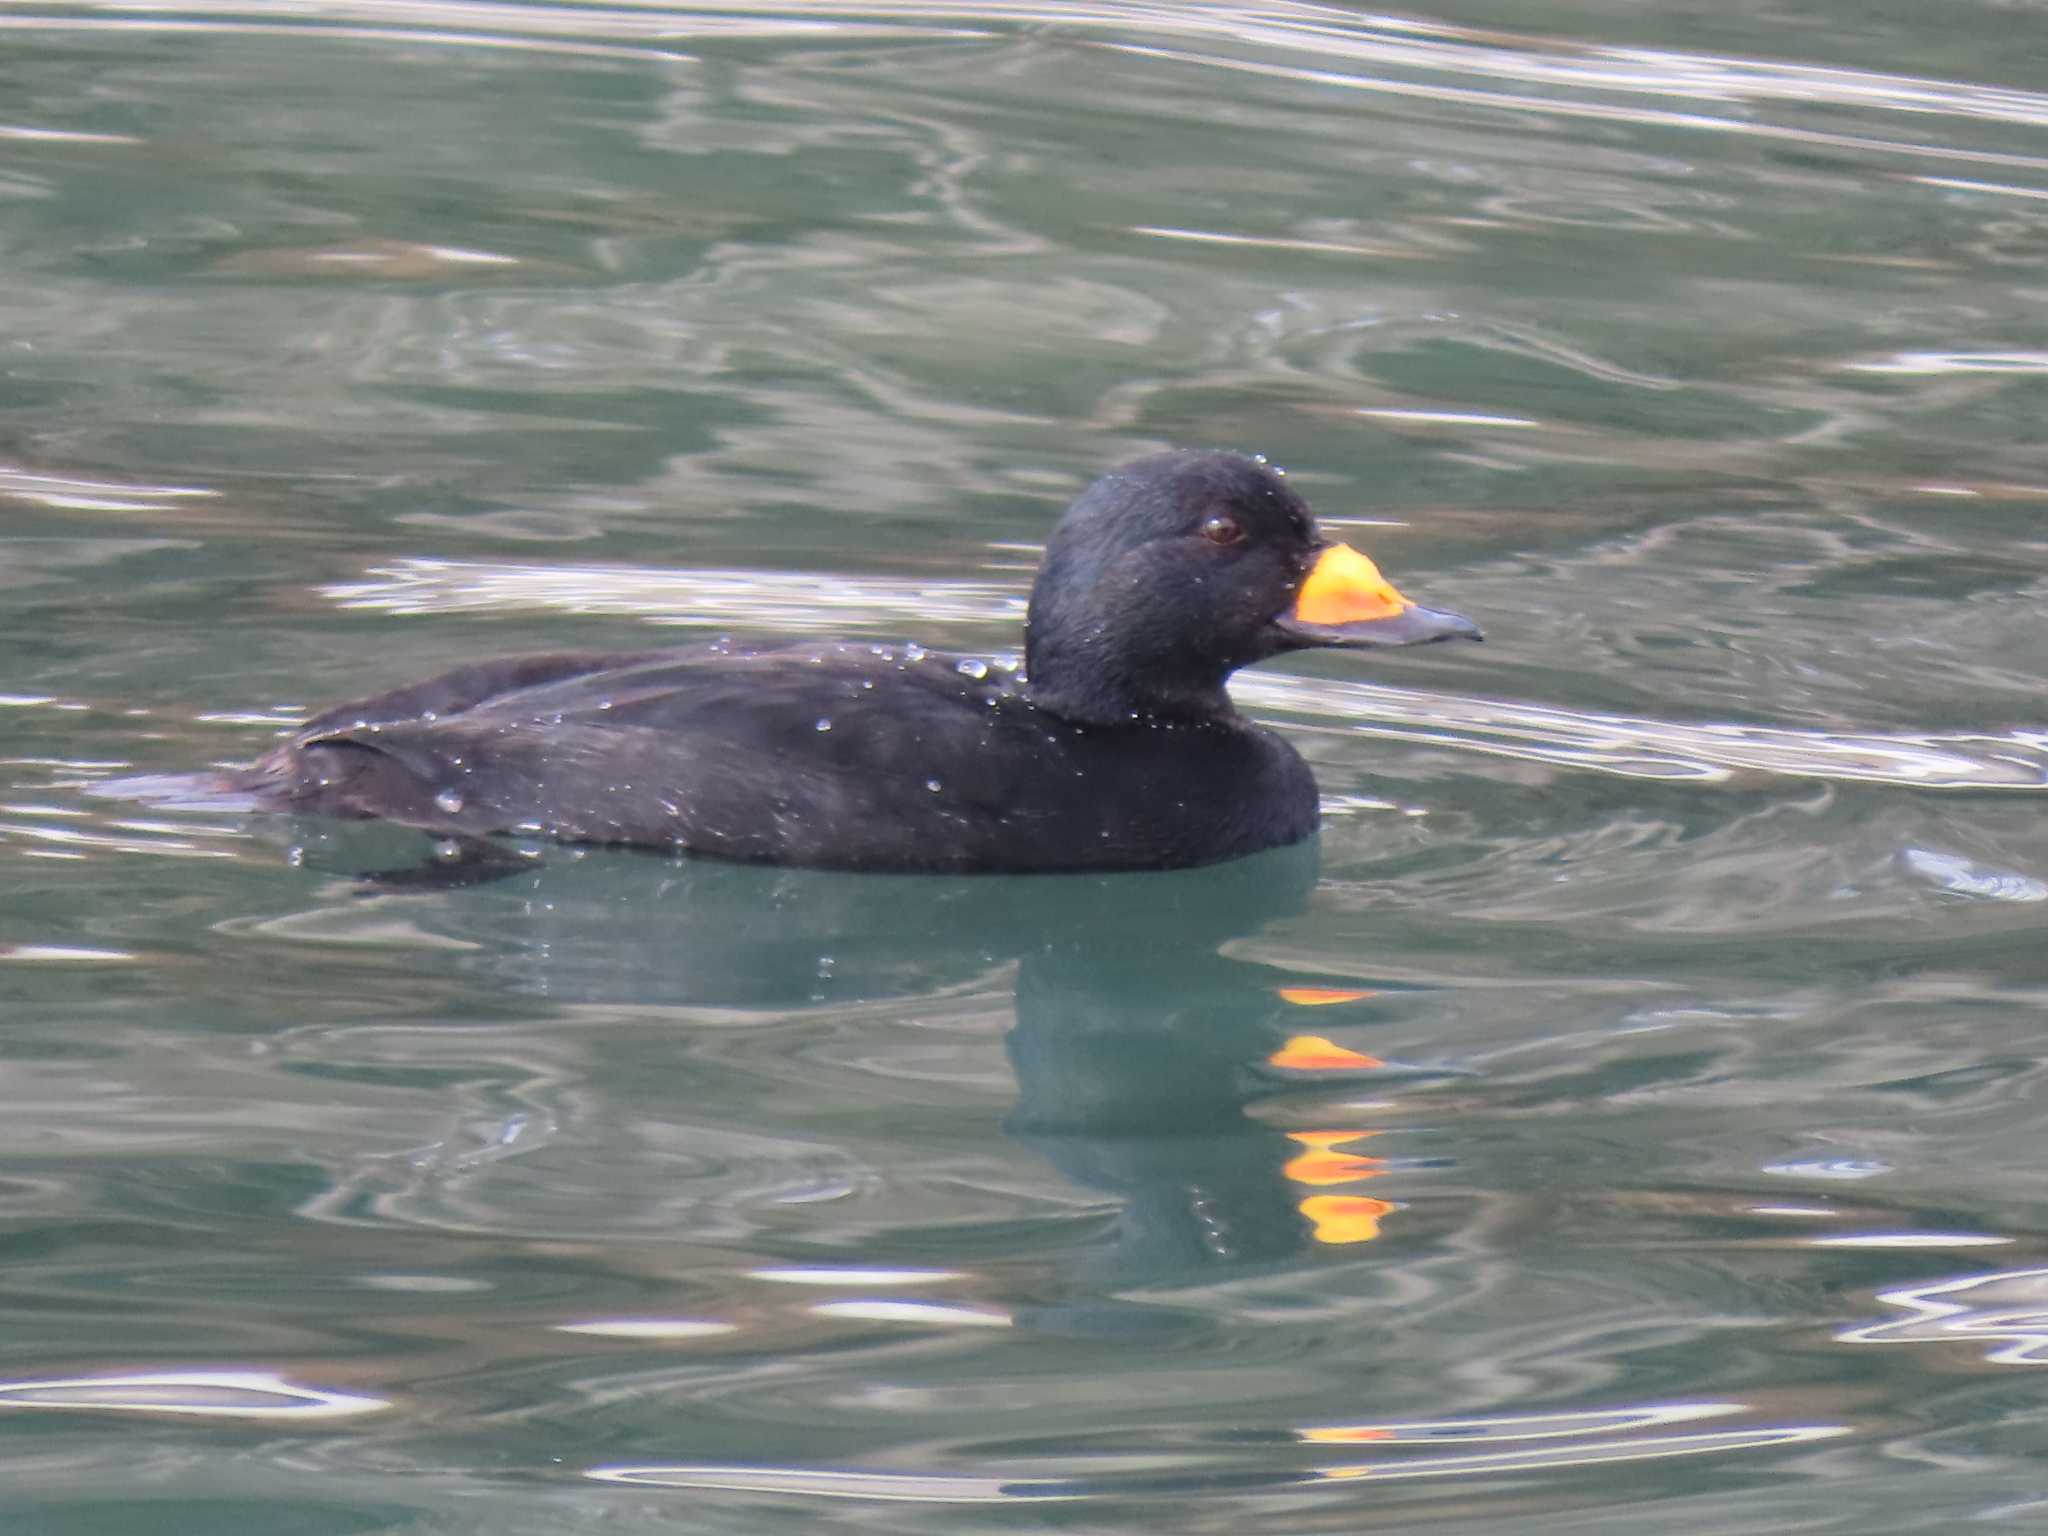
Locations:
785 600
1385 55
77 493
231 1394
1592 1441
1702 79
1642 748
621 31
2008 1308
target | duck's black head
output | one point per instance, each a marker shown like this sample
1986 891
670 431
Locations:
1171 573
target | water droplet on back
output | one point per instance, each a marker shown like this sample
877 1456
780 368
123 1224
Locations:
824 724
449 802
969 666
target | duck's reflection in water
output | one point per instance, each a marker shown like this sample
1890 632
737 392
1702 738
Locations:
1139 1048
1139 1044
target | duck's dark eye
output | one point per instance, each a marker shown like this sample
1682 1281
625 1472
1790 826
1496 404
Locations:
1223 530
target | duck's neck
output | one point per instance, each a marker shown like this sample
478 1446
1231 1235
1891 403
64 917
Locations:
1101 684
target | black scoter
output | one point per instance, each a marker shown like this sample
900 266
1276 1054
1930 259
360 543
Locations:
1116 748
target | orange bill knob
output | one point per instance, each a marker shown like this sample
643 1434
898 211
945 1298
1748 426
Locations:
1345 601
1346 588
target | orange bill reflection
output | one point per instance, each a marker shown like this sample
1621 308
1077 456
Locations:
1322 1163
1314 1053
1339 1219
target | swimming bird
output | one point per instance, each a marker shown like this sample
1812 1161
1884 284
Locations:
1116 748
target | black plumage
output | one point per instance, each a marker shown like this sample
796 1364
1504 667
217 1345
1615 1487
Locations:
1116 748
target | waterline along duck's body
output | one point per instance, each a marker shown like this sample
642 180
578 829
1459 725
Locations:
1117 748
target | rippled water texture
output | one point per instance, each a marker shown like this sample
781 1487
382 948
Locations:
1627 1119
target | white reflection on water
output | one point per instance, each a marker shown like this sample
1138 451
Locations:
1909 1240
922 1488
1382 251
73 493
82 840
645 1328
2008 1308
62 954
1522 1426
1595 1438
210 1394
785 600
1591 1453
1445 418
62 136
416 34
1955 362
1959 184
935 1314
631 30
1965 877
1552 67
1637 747
819 1275
362 258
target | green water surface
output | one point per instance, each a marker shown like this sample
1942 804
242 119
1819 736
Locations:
1628 1118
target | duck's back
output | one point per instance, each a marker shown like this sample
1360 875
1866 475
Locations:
836 755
